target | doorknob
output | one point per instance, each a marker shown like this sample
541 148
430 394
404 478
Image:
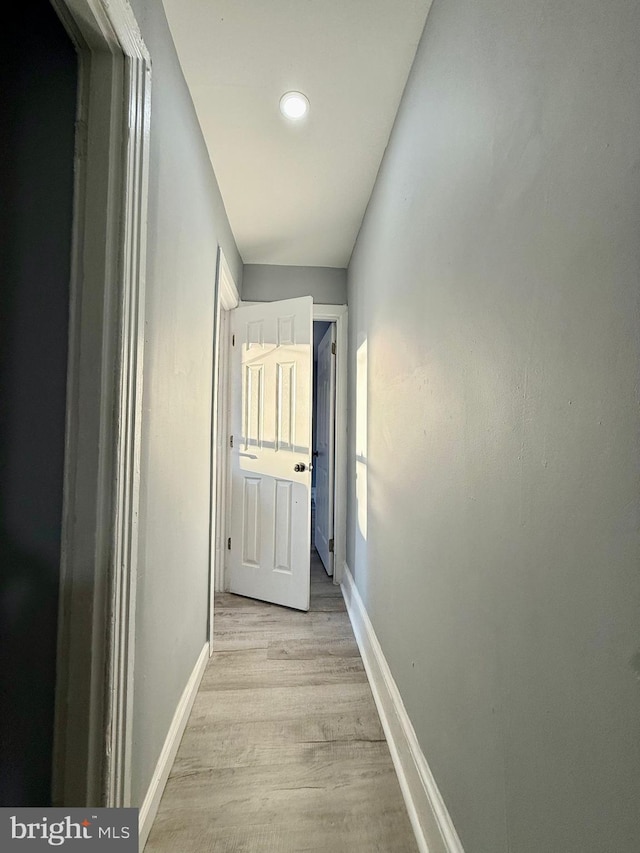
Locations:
300 466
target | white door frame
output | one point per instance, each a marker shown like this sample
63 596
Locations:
337 314
324 545
94 691
227 298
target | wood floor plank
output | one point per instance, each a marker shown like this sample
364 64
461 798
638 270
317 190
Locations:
209 739
331 625
319 767
317 647
207 751
375 833
328 603
307 799
284 751
242 670
280 703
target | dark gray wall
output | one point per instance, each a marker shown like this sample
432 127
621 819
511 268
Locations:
38 82
494 314
268 282
187 220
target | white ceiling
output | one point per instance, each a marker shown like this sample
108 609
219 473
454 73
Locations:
296 193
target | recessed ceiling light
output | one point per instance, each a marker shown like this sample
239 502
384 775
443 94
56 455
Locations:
294 105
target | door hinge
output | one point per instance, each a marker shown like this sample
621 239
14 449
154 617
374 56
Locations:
331 546
230 441
229 544
334 349
233 340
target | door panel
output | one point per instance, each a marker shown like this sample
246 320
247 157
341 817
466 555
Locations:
271 427
325 413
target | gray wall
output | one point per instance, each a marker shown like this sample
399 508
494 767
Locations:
186 221
494 308
38 107
268 282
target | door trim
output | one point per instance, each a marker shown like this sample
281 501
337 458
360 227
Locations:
227 298
94 692
338 314
329 566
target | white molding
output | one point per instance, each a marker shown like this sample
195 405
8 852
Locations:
224 476
432 824
328 313
149 807
226 299
341 446
228 296
339 314
94 692
129 408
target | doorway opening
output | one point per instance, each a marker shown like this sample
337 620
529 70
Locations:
227 299
267 507
92 738
323 442
39 96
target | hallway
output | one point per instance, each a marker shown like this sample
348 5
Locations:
284 750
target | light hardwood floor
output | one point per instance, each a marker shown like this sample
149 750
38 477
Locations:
284 751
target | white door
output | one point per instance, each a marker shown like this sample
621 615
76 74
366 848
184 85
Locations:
271 454
325 413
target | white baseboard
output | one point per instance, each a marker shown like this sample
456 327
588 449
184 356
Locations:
151 802
433 827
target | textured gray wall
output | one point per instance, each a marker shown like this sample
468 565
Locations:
268 282
493 523
186 221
